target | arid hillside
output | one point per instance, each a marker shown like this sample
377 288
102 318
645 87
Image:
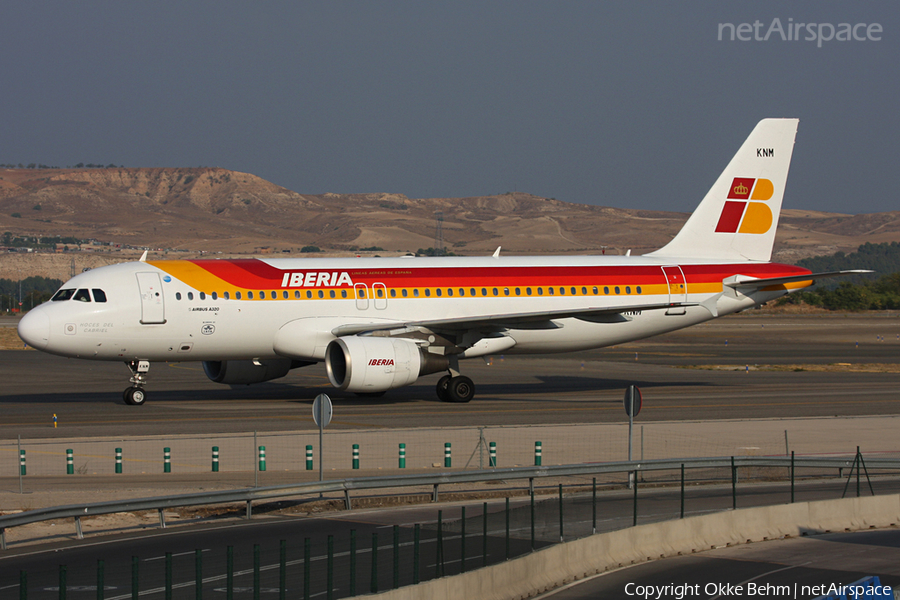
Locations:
216 210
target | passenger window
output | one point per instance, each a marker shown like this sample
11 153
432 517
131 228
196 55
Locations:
178 295
62 295
438 291
82 296
584 291
393 293
100 295
191 295
228 295
237 295
495 291
403 293
528 291
518 292
379 292
309 294
617 289
249 295
215 296
274 296
343 293
638 290
203 295
606 289
595 290
574 292
331 293
284 295
416 293
296 294
428 292
540 291
627 289
483 292
262 295
506 291
472 292
321 294
449 292
550 289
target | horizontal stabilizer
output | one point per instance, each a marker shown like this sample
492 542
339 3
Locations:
758 283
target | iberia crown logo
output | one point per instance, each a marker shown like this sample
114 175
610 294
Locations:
739 216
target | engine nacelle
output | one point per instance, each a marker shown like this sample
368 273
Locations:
247 371
375 364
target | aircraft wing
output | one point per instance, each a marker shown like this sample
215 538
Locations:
765 282
507 319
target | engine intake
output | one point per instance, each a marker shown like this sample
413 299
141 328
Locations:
376 364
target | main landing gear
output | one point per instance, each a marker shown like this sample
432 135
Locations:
455 389
135 395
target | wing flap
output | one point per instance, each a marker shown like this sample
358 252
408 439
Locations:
502 320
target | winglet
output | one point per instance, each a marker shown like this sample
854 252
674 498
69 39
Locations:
144 256
497 252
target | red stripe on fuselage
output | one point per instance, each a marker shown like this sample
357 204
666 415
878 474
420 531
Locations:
256 274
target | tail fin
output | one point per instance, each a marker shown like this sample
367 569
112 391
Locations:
736 221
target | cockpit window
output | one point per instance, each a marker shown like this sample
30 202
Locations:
99 295
62 295
82 296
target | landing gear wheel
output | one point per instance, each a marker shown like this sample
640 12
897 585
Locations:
461 389
442 388
134 396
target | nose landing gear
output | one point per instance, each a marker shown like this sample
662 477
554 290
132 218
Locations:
135 395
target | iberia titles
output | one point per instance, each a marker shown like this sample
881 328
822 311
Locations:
316 279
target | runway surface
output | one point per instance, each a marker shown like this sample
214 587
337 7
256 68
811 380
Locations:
681 375
582 387
720 370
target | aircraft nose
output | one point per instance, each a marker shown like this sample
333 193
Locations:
34 328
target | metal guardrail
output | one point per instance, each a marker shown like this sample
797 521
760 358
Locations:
249 495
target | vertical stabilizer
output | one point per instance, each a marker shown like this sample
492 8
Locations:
737 219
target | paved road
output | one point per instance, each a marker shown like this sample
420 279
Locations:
614 511
791 568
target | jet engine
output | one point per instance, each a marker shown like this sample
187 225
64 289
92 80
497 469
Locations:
248 371
375 364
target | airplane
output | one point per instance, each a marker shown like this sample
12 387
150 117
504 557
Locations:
381 324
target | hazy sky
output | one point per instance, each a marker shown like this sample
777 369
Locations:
628 104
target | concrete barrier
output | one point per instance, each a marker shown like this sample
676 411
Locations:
557 565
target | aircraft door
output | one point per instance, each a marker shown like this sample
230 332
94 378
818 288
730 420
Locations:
677 288
153 308
362 296
379 295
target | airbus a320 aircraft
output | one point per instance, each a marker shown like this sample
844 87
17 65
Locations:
382 324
